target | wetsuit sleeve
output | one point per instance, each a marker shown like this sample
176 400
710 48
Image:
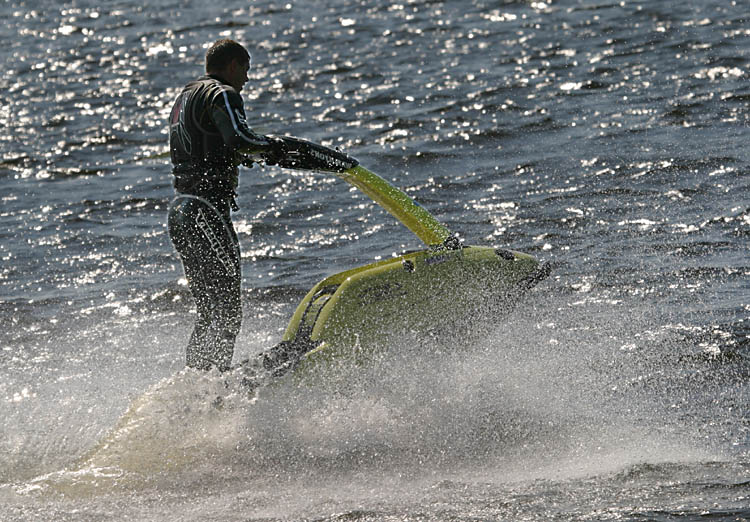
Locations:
229 116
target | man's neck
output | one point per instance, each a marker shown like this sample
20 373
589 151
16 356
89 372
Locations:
217 76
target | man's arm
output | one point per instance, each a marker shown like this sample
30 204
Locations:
229 117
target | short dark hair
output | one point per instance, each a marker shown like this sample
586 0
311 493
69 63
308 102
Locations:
222 52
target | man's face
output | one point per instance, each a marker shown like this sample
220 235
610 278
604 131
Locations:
237 73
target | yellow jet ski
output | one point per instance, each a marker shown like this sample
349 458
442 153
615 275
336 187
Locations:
425 294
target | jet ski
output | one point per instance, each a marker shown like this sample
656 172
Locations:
426 295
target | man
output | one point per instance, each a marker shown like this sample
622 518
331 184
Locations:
208 134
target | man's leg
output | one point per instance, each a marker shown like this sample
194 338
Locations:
219 319
210 258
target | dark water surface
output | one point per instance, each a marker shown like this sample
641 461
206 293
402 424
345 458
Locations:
609 138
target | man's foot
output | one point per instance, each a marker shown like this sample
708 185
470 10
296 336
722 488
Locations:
271 364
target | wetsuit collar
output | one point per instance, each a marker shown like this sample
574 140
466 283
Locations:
217 78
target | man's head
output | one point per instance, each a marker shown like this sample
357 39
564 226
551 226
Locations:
229 61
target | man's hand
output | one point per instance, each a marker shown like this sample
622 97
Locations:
276 151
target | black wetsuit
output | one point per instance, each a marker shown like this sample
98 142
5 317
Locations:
206 128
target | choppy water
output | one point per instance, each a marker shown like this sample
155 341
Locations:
610 138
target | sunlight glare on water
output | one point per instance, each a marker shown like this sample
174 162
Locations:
607 138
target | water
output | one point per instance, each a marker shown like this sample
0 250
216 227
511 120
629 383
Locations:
607 138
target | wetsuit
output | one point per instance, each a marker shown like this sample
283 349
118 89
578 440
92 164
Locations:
206 129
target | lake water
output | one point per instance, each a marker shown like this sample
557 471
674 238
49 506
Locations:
608 138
